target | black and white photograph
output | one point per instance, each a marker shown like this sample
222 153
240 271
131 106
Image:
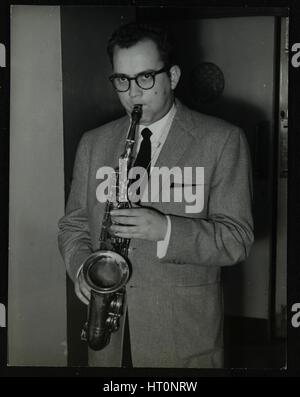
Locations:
149 189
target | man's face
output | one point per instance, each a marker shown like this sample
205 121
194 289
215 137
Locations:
144 56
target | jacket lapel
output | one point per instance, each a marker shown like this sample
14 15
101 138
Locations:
177 142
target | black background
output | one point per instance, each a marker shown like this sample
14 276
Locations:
293 350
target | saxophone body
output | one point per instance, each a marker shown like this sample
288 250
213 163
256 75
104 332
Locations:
106 272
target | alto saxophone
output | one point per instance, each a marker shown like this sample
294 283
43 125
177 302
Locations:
106 271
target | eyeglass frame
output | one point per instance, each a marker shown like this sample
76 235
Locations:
153 73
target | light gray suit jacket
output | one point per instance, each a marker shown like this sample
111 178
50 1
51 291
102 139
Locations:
174 303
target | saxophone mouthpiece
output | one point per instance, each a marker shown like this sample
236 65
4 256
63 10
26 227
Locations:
136 113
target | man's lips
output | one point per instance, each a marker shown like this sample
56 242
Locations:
144 108
137 104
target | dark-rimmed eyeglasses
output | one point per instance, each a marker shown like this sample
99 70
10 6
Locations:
145 80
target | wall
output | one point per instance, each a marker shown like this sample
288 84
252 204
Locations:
36 296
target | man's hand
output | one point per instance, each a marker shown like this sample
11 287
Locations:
81 291
139 222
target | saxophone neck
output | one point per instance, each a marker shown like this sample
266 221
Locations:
130 140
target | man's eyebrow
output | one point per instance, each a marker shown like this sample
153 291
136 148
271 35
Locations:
119 75
146 71
132 76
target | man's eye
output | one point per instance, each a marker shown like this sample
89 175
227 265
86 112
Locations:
121 79
146 76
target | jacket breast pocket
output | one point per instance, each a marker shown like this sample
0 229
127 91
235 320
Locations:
185 199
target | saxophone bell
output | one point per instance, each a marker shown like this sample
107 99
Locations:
105 271
105 274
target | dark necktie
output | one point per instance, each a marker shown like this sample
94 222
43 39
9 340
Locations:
143 158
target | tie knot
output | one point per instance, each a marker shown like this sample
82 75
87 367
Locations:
146 133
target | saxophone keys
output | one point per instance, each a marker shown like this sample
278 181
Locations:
113 323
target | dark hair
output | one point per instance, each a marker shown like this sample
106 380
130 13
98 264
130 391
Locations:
130 34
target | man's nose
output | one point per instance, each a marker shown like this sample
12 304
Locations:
134 89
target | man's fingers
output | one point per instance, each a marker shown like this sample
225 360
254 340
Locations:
135 205
82 294
127 212
129 235
81 297
126 220
117 229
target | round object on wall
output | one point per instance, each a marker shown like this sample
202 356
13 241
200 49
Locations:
207 82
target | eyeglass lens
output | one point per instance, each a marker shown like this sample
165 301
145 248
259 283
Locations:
144 81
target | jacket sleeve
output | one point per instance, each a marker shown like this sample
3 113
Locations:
225 236
74 236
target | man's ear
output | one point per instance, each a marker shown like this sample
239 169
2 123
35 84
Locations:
175 74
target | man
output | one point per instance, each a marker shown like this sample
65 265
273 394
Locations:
174 297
